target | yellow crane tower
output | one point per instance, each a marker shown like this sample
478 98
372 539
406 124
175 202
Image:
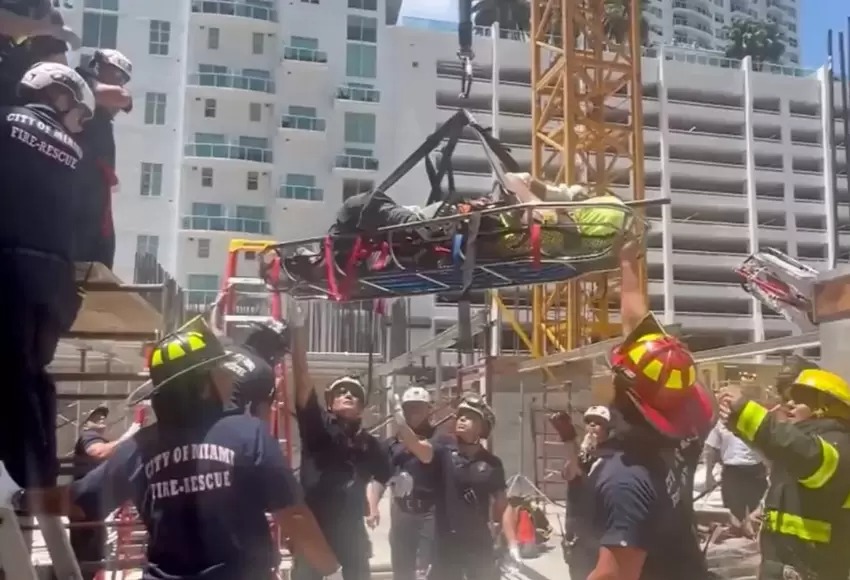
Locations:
587 120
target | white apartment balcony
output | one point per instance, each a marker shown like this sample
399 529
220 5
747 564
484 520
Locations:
300 61
228 225
228 153
354 165
709 231
304 126
253 89
356 95
300 192
257 16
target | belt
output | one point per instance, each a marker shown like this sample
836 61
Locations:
414 505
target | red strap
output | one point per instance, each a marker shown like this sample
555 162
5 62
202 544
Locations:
536 238
383 257
330 270
354 258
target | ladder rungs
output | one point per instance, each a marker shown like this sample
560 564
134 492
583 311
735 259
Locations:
236 281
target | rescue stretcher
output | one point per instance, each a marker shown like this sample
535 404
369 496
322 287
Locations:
502 245
782 283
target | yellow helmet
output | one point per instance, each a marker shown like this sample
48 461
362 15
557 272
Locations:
824 382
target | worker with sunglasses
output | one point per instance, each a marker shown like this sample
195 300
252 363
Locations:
338 460
806 513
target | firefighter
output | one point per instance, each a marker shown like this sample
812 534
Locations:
805 521
412 510
470 487
338 460
202 479
253 363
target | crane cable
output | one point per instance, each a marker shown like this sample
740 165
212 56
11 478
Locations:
464 53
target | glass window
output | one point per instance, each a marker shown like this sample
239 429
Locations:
300 179
147 244
200 208
202 282
203 247
363 5
209 108
100 30
256 73
251 212
359 128
160 37
151 180
212 69
362 28
253 181
354 186
210 139
155 108
213 37
206 177
258 40
102 5
361 60
304 42
299 111
255 112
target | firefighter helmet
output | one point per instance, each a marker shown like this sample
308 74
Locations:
475 403
193 347
824 382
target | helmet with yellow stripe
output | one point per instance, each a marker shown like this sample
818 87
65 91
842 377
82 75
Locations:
820 382
193 347
658 373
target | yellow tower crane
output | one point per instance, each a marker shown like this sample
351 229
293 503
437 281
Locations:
587 128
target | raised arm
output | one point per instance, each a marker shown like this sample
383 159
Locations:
633 308
304 386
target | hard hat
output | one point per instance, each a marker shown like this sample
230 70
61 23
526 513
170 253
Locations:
270 339
353 384
475 403
416 395
660 377
112 57
100 410
193 347
44 75
824 382
599 412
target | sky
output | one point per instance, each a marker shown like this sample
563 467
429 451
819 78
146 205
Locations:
816 16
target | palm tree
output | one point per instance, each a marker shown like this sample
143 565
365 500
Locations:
757 39
510 14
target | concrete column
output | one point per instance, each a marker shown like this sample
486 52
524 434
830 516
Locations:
666 210
825 77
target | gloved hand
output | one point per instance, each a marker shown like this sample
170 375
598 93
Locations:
563 424
513 552
132 430
402 484
398 412
8 488
336 575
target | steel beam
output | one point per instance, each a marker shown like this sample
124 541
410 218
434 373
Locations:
807 340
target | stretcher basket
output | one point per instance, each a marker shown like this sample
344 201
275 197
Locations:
461 253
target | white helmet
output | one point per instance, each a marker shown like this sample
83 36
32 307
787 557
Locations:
114 58
48 74
416 395
598 412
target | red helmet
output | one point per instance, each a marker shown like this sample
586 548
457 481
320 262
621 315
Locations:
661 380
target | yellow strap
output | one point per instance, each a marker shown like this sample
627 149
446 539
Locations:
750 419
798 527
826 469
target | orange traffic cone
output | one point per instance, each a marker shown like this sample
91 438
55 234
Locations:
526 536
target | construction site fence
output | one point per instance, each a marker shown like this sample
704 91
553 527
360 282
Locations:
171 301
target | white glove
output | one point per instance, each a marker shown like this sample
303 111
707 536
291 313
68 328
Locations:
402 484
514 554
8 488
398 412
336 575
132 430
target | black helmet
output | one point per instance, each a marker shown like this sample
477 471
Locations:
191 348
269 339
475 403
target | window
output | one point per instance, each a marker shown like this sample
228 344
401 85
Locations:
203 247
201 288
206 177
213 37
354 186
209 108
160 36
151 181
300 186
102 5
304 42
359 128
155 108
363 5
258 40
255 112
361 60
100 30
210 138
251 212
200 208
253 181
299 111
147 244
309 1
362 29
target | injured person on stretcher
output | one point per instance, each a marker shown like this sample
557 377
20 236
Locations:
369 212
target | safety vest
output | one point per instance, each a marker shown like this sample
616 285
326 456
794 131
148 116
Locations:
806 523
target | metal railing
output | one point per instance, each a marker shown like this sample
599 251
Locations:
358 94
356 162
227 151
226 224
306 192
232 81
168 301
302 123
305 54
234 8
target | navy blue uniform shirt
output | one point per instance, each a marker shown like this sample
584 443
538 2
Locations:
83 462
336 465
202 493
638 502
466 486
423 474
